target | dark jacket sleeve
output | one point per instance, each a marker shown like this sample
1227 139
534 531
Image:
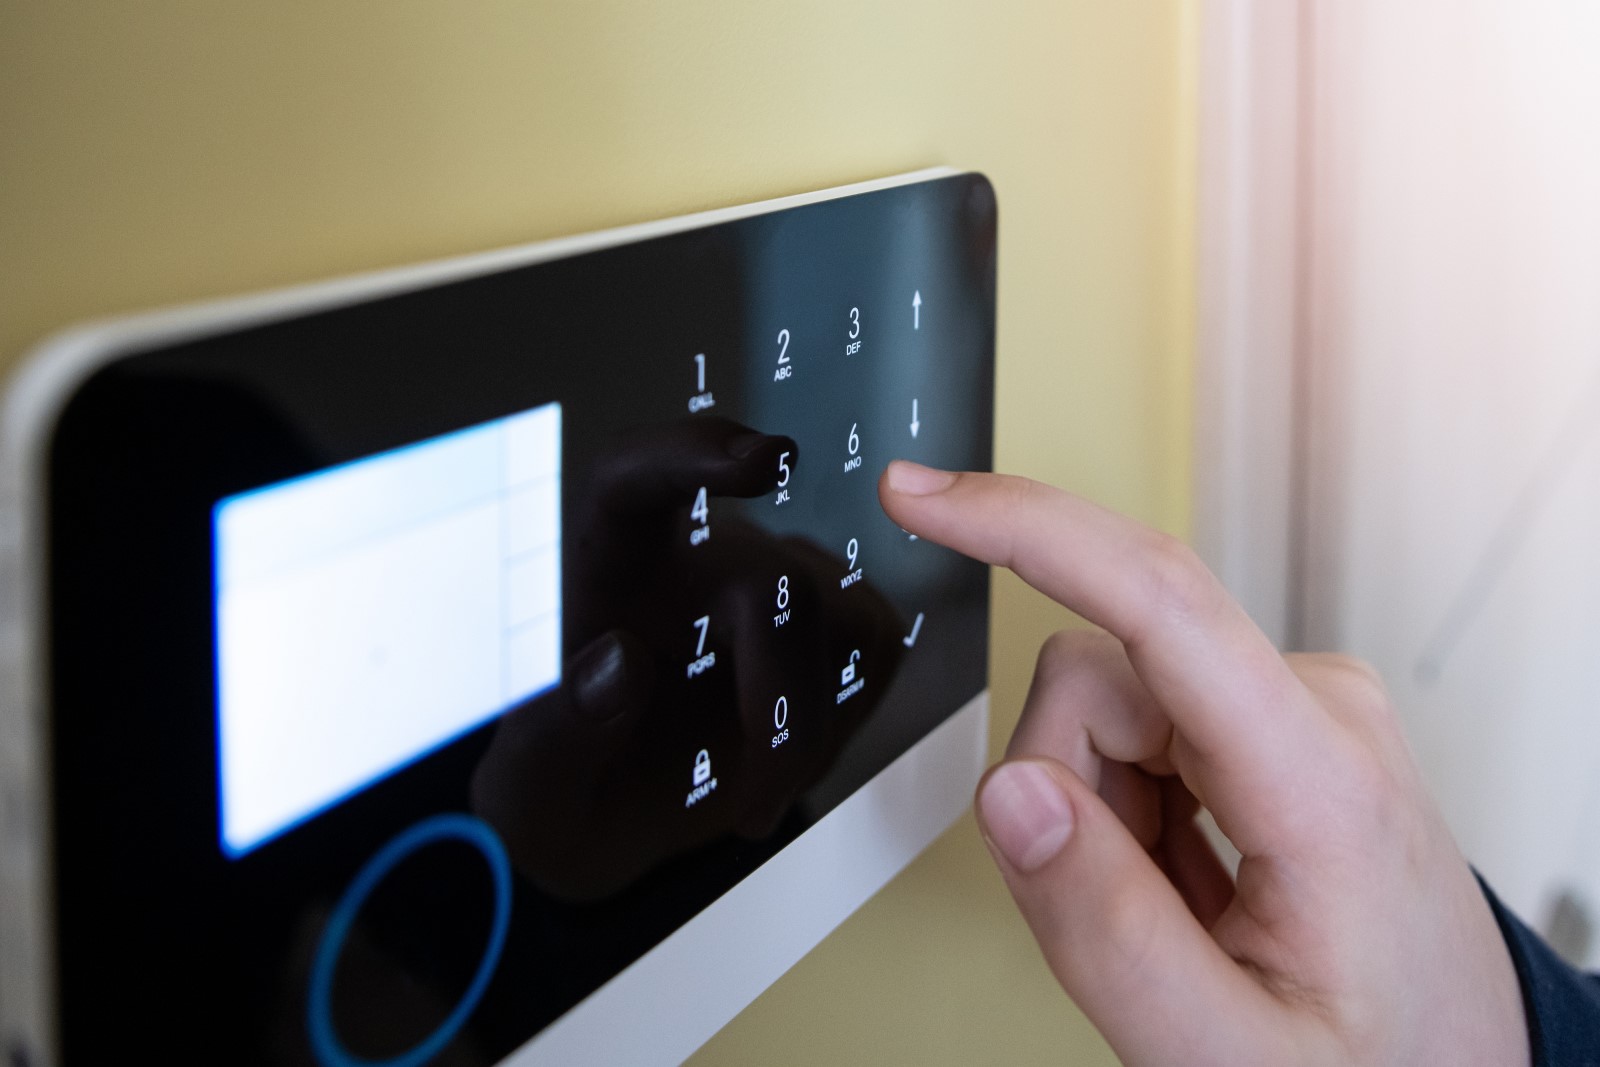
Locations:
1562 1004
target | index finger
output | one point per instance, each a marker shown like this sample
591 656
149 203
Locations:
658 468
1246 730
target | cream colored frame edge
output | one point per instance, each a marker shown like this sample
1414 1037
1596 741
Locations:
897 814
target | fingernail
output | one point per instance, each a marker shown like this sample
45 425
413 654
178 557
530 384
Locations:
913 479
595 678
742 445
1025 814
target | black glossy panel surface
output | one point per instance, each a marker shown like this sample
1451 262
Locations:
166 944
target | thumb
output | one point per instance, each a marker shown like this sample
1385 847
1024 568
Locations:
1115 932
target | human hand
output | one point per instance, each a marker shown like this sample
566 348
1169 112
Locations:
1355 931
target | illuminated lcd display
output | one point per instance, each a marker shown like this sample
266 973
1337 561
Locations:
371 612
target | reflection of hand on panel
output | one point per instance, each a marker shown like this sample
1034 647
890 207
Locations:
701 700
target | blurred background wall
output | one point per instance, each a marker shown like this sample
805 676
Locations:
1398 390
1452 413
166 151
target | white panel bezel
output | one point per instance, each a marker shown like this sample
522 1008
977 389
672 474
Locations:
878 830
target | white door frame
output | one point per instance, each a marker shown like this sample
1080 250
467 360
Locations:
1252 344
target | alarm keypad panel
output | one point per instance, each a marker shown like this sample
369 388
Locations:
419 664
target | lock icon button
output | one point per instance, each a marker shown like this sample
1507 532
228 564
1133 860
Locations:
848 675
702 767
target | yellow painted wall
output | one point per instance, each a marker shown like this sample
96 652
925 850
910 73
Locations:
161 151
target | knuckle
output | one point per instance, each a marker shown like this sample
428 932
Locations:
1072 670
1055 660
1356 687
1067 653
1178 582
1060 647
1011 503
1014 493
1368 783
1130 932
1377 805
1360 675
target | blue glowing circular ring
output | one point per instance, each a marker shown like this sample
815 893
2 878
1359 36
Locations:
329 1050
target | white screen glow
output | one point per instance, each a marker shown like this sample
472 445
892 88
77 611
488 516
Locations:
369 613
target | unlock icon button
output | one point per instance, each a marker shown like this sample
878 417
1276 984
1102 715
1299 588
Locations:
848 675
